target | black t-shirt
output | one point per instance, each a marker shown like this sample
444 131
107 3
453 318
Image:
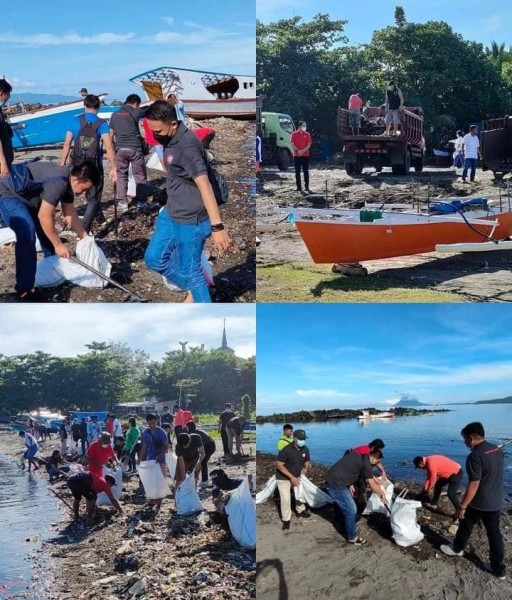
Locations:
225 416
393 99
485 464
294 460
184 159
75 430
124 124
6 139
348 469
166 418
190 452
63 432
205 438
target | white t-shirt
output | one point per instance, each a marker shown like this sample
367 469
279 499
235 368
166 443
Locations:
471 145
118 430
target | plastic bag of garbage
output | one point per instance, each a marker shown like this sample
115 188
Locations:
404 526
171 461
267 491
308 493
241 513
103 499
53 270
187 499
375 504
153 480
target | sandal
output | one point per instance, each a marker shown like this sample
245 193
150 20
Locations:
358 541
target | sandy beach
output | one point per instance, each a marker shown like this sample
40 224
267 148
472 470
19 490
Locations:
165 554
312 560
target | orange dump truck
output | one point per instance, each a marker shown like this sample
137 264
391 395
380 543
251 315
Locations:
372 148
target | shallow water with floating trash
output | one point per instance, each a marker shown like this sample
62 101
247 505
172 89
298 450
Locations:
27 511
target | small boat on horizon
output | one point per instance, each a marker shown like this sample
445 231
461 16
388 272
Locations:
355 235
383 415
205 94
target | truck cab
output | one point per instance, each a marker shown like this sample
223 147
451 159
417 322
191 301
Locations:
276 129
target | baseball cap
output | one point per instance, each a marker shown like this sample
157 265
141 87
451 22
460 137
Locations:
417 460
83 90
300 434
105 438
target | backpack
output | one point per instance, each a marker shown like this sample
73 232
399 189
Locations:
217 181
87 144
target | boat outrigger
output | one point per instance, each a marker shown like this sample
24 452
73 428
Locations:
355 235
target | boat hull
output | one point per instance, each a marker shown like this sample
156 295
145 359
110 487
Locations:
48 126
237 108
338 242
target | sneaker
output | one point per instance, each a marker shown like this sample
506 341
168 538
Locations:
298 189
449 551
487 566
304 514
286 525
463 181
308 191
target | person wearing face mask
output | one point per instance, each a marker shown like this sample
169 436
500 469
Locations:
191 214
301 141
99 454
6 149
32 212
483 498
292 461
340 479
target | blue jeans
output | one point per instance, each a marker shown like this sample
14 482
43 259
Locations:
469 163
25 224
343 498
175 250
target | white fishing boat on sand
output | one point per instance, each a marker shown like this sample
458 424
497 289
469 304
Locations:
205 94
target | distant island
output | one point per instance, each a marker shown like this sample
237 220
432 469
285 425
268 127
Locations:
408 402
507 400
307 416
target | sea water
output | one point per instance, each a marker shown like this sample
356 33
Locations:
405 438
27 511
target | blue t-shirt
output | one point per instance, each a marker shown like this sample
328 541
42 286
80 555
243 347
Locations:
154 440
92 118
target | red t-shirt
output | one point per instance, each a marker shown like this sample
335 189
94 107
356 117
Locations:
182 417
149 134
99 484
365 449
300 139
99 455
355 101
202 132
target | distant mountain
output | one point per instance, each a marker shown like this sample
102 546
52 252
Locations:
42 98
409 402
507 400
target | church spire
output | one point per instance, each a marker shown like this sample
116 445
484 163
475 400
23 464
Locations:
224 338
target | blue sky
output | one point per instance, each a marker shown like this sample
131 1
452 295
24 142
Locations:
371 355
475 20
155 328
59 46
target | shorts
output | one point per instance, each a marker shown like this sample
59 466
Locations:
393 116
80 485
354 117
30 452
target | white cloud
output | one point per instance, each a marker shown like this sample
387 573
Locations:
64 330
19 83
50 39
168 20
325 393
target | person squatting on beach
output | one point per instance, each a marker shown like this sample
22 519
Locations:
31 451
55 467
85 139
340 479
483 498
191 213
32 212
190 452
441 471
88 486
292 461
101 454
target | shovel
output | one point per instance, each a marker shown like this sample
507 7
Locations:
103 276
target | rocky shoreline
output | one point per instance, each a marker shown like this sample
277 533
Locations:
305 416
143 554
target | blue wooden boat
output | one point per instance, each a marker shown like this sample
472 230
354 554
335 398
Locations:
47 126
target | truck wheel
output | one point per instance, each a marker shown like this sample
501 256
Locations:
379 169
418 164
350 168
284 159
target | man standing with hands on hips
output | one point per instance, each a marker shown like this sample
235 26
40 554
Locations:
292 461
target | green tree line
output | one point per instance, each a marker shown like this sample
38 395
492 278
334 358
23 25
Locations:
308 69
112 373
